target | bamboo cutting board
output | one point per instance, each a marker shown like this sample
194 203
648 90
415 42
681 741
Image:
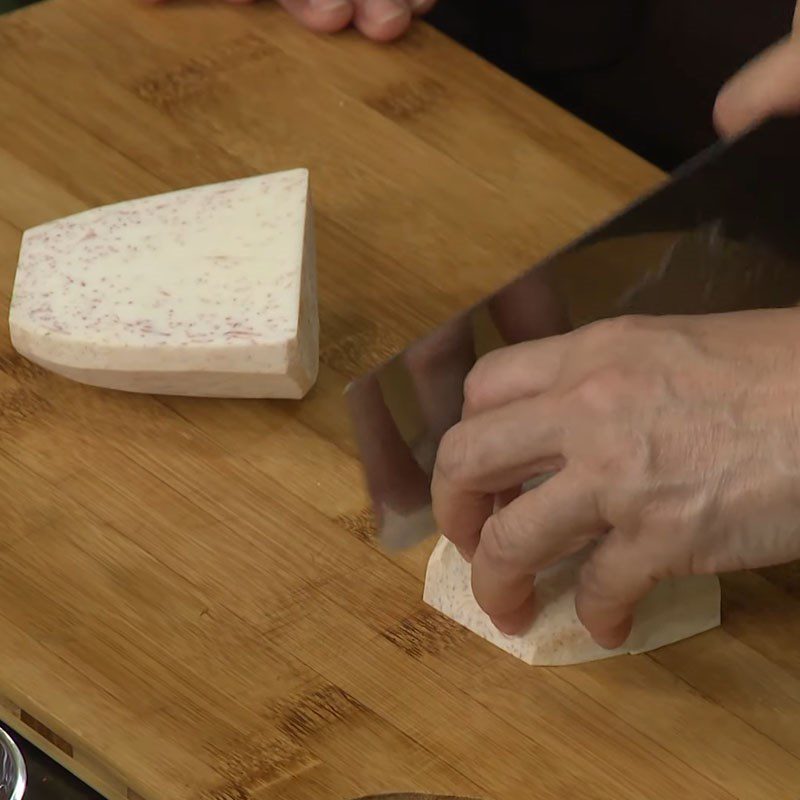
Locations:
191 604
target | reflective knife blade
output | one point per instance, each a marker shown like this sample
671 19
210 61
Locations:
723 234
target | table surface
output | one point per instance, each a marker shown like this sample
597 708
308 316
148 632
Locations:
192 605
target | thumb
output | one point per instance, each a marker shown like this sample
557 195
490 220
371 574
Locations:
612 582
768 86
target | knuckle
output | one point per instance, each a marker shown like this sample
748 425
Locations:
452 461
657 333
476 387
500 541
615 328
602 390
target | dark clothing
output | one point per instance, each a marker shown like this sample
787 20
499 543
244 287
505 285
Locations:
644 71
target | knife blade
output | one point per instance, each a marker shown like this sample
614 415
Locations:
722 234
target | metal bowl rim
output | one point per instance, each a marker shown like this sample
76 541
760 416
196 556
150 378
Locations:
20 771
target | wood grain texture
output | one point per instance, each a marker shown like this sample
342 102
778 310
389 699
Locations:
192 607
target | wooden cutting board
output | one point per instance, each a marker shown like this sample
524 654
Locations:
191 603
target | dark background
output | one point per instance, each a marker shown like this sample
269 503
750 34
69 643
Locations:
644 71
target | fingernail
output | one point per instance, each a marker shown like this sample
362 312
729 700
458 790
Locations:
327 5
381 12
615 638
507 631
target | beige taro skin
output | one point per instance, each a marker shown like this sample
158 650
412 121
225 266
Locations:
208 291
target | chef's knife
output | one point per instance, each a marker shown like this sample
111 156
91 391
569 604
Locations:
722 235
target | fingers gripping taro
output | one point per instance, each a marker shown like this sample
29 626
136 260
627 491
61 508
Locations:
677 453
676 609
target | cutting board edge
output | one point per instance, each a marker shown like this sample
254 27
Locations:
109 786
